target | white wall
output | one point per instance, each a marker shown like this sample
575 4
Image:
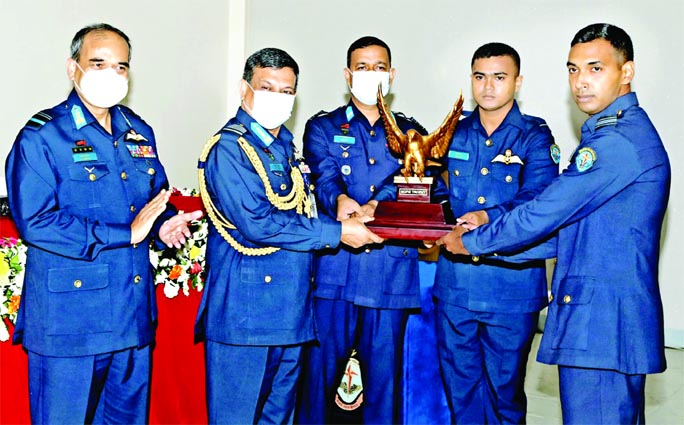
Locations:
188 58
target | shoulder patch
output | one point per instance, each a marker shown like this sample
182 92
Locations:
585 159
555 151
413 121
38 120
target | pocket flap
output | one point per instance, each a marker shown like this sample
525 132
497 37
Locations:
82 278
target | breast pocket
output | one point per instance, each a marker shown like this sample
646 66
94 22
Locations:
79 300
87 185
460 177
506 177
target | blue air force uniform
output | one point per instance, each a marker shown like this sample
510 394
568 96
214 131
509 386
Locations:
361 295
74 190
256 310
486 309
605 321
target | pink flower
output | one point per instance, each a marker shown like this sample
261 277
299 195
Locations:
196 268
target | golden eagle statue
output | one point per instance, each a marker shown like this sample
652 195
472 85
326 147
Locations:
418 149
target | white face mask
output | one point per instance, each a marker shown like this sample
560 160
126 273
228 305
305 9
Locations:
103 88
270 109
365 85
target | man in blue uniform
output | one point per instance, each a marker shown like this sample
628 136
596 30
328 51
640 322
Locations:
86 188
362 297
487 310
605 323
256 310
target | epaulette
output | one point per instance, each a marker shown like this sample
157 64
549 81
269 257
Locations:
318 114
610 120
413 121
38 120
128 112
535 121
238 129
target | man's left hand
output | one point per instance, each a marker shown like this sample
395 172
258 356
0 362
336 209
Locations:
453 242
175 230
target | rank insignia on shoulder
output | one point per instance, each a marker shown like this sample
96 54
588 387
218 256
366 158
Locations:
555 153
610 120
38 120
78 117
585 159
141 151
136 137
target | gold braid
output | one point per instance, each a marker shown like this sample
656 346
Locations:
297 198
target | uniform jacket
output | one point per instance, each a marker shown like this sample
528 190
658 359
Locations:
496 173
258 300
607 209
74 190
348 155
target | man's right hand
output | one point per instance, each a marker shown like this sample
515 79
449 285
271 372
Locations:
347 207
143 222
356 234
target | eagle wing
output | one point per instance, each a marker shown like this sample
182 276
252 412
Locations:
436 144
396 139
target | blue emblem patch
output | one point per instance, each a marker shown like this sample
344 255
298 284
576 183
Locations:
264 135
77 115
276 167
585 159
346 170
555 153
349 112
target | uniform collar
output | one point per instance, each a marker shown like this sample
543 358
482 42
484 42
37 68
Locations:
614 109
260 133
351 112
81 116
514 118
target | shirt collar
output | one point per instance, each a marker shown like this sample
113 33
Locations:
265 137
82 117
514 118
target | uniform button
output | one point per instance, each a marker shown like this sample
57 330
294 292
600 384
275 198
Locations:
312 279
116 143
92 177
567 299
457 173
367 250
267 279
77 283
509 179
550 297
124 176
151 171
132 208
345 154
327 245
283 186
489 142
484 171
312 187
372 188
372 133
481 200
371 161
405 252
137 278
135 245
475 258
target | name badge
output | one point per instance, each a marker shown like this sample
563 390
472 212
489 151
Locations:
346 140
463 156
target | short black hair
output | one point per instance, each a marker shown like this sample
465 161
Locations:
496 49
77 41
617 37
367 41
269 57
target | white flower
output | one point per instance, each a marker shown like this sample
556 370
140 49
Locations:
4 333
171 289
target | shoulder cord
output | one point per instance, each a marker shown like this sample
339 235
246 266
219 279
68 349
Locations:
297 197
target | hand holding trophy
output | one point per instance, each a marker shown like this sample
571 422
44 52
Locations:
412 216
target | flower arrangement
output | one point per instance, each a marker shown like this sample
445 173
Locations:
183 268
12 260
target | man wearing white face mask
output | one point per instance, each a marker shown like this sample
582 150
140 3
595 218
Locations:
256 310
362 296
88 193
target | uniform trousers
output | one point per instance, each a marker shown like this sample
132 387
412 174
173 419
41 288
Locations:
483 359
378 336
599 396
103 388
251 384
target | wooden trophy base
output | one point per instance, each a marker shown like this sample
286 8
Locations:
412 217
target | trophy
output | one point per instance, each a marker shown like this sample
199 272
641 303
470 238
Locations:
412 216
